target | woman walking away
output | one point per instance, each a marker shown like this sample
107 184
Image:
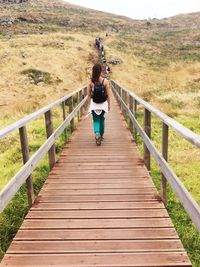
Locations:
99 100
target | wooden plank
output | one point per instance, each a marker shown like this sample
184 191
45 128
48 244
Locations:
103 259
93 214
99 175
92 173
95 223
87 164
97 234
68 192
102 198
105 246
98 205
95 169
61 180
63 186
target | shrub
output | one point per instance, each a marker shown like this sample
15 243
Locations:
38 76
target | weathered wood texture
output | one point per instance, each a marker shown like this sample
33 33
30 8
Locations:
25 155
15 183
189 204
98 207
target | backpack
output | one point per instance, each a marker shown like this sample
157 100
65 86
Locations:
99 94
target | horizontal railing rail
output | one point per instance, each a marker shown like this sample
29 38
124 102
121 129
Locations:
20 123
186 133
24 174
128 102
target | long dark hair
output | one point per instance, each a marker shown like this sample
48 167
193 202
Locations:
96 72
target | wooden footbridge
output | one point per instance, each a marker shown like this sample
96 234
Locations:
99 206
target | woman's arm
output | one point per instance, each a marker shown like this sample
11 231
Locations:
108 93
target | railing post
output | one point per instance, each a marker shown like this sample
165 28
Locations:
64 117
114 89
131 109
147 129
79 101
135 114
165 134
85 93
124 99
121 96
25 154
71 108
49 131
118 91
126 102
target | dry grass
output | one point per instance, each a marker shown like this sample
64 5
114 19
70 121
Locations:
172 89
63 56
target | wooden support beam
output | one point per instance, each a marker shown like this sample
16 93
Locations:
25 156
85 94
165 134
135 115
131 109
147 129
121 95
49 131
64 117
79 101
71 107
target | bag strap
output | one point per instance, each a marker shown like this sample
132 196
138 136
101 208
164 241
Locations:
96 83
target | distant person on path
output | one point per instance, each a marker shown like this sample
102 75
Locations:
103 54
97 42
99 101
108 70
103 59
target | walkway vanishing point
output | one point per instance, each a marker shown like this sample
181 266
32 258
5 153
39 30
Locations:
98 207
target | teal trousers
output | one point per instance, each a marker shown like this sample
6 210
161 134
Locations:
98 123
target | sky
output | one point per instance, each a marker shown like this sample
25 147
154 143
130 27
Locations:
142 9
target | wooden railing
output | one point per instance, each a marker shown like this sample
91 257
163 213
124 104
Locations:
128 102
76 101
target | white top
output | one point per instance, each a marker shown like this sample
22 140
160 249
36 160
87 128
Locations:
98 107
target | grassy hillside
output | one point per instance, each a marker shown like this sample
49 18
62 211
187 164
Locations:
46 51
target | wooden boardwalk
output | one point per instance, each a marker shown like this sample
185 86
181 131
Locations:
99 207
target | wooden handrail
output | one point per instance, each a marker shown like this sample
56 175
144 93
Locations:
189 204
186 133
20 123
24 174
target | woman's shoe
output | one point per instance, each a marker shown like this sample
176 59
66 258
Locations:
98 139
